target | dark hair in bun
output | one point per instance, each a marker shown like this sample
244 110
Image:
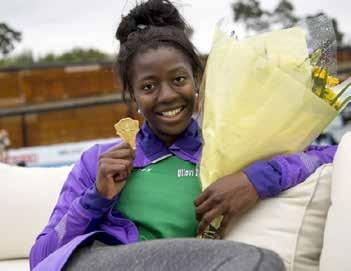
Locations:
150 25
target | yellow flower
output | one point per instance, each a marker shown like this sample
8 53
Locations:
332 81
322 74
319 73
330 97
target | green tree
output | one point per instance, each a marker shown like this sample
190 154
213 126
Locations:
76 55
22 59
251 14
8 37
339 35
283 14
257 19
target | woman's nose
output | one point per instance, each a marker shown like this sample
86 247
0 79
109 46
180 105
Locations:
167 93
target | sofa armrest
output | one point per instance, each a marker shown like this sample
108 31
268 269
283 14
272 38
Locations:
337 235
27 198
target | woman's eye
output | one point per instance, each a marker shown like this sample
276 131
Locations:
148 87
179 79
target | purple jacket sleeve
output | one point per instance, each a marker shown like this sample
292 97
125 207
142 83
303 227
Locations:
284 171
77 211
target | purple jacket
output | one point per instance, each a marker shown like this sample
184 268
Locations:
81 215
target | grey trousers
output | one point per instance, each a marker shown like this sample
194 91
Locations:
175 255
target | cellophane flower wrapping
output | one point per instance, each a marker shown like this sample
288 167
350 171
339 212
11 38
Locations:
258 98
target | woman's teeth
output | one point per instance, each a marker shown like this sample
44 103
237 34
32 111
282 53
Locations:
171 113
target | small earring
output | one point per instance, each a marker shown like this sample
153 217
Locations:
196 94
139 111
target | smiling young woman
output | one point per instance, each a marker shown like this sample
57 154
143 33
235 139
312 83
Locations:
116 196
164 91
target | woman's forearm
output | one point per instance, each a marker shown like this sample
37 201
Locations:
285 171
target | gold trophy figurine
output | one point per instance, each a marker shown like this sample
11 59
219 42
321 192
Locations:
127 129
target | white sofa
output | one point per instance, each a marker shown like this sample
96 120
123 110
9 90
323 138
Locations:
309 225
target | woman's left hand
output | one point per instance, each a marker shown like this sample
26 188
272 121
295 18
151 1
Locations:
229 196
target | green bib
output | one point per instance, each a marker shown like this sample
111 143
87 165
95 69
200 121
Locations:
159 199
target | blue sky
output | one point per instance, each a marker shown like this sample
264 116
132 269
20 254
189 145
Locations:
56 26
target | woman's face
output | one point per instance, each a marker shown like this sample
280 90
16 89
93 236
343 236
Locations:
164 90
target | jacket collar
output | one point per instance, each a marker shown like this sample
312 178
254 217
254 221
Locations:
150 149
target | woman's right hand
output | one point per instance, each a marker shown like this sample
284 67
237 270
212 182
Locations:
113 170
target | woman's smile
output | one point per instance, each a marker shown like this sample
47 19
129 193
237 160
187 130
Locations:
172 116
172 113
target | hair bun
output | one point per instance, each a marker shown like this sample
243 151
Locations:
150 13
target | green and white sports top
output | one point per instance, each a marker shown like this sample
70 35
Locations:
159 199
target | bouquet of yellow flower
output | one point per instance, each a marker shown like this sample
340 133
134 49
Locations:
269 94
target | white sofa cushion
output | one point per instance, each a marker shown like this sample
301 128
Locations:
291 224
27 198
337 236
15 265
